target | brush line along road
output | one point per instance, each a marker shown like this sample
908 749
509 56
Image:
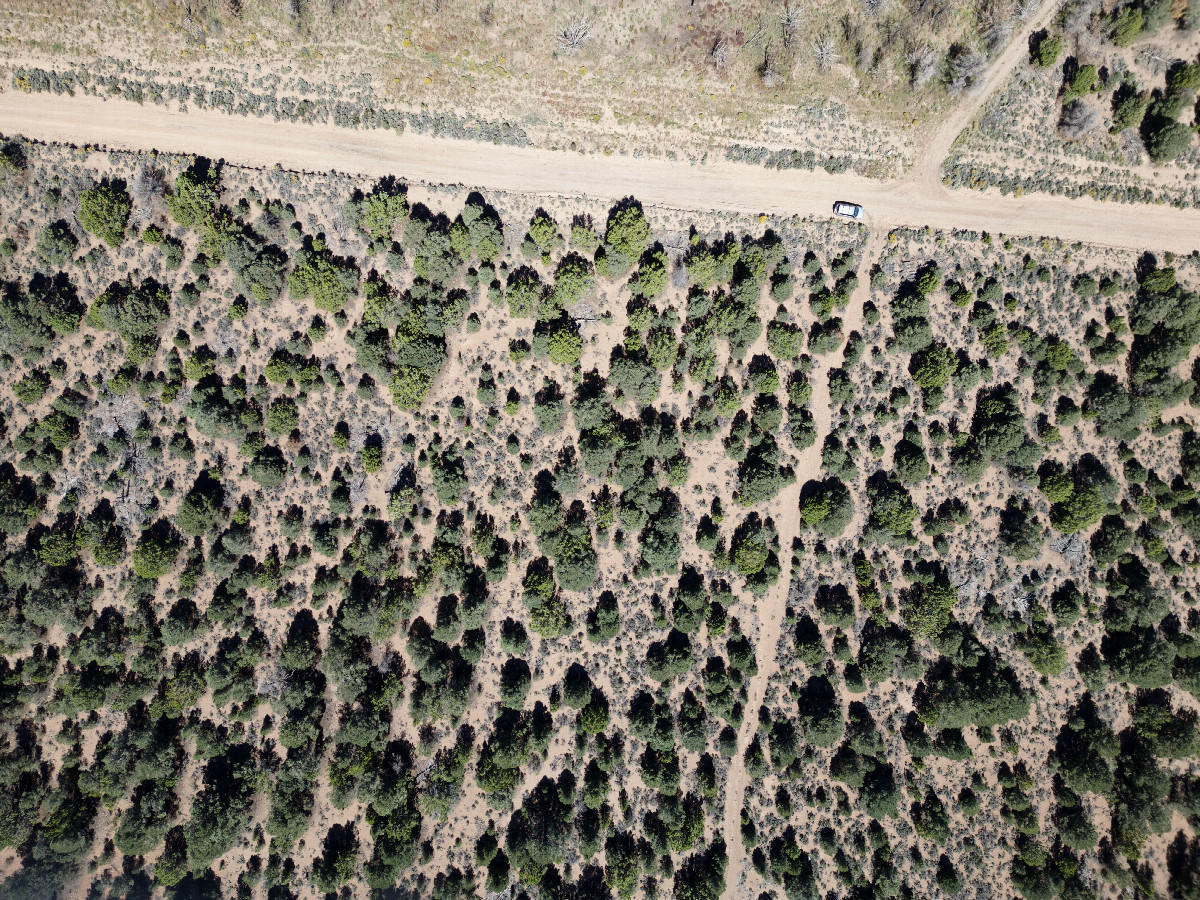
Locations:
915 201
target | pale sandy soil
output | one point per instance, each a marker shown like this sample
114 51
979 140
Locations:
551 178
645 77
1017 130
928 170
917 200
712 472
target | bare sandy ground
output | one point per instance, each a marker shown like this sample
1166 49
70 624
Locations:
918 201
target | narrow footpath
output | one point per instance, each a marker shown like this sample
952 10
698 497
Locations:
772 607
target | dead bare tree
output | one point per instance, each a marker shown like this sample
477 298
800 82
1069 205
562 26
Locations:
1077 24
1070 547
876 8
68 483
148 190
1078 17
996 38
1078 119
760 35
122 414
272 684
965 67
342 229
573 36
864 57
721 55
583 313
363 429
790 23
825 52
1154 58
922 64
1025 9
1131 145
191 27
1016 605
359 492
768 72
933 13
135 496
223 338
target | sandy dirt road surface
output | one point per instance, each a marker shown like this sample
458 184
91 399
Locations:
916 201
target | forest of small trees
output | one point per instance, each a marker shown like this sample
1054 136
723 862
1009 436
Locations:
361 539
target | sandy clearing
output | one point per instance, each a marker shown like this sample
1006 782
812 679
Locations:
118 124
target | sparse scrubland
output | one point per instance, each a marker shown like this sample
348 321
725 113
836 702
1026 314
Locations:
835 85
1105 107
373 539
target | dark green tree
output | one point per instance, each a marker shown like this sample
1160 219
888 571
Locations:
104 211
135 312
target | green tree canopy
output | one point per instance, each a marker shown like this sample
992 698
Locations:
195 194
928 603
156 551
104 211
134 311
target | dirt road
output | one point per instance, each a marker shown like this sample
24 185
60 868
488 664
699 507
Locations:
917 202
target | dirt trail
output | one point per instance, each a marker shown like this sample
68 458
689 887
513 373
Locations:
118 124
928 170
773 605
